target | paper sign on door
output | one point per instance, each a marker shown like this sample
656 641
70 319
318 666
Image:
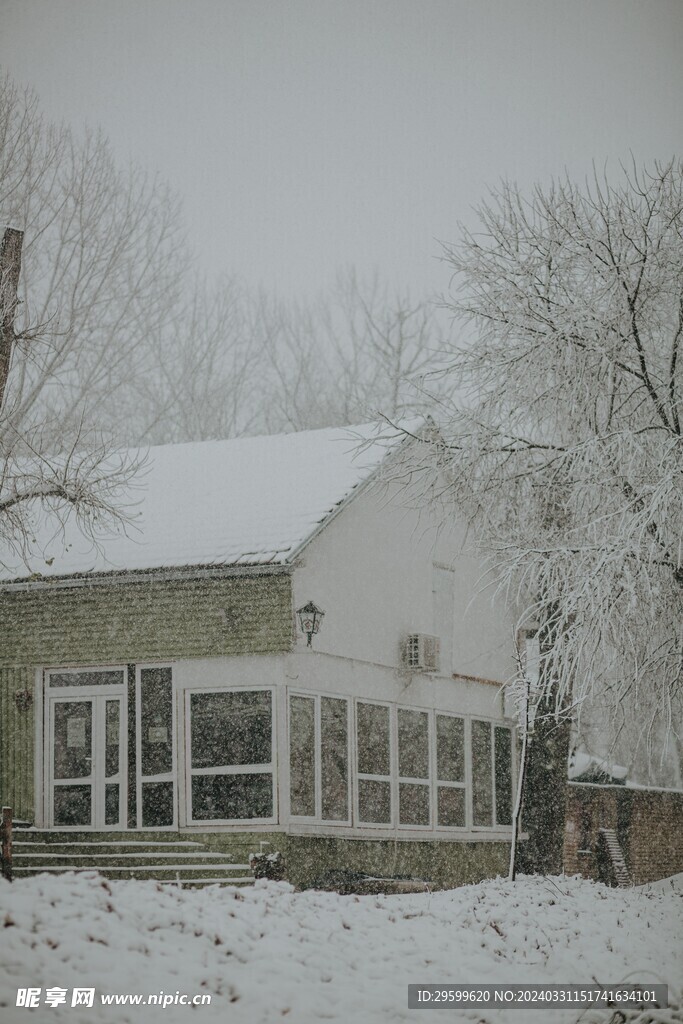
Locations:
75 732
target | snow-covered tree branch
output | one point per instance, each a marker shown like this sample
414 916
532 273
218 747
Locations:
562 437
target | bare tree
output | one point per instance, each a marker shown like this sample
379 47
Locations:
236 362
37 475
202 378
359 351
101 267
562 441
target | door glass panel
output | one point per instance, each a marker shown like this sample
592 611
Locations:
111 678
72 805
157 804
156 721
72 756
302 755
111 804
232 728
334 758
112 738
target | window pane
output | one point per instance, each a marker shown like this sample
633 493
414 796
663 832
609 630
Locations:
451 807
373 739
413 744
334 758
73 740
482 787
156 721
72 805
157 804
503 755
86 678
112 738
232 796
302 755
413 804
450 749
111 804
231 728
374 801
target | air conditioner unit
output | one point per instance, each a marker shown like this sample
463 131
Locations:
421 652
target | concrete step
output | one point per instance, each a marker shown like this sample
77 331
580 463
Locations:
616 856
82 858
21 844
130 855
160 872
33 835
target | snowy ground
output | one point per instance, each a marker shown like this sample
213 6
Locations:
268 953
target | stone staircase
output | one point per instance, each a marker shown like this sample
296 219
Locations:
616 857
126 855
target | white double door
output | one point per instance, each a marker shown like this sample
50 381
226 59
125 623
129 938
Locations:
87 762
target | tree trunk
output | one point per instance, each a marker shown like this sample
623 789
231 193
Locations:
545 792
10 267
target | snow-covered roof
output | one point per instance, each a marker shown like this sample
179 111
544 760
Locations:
246 501
583 764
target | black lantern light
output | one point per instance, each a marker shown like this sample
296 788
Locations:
310 617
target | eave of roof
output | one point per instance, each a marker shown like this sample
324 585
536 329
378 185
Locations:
161 575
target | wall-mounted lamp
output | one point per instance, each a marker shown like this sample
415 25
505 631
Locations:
310 618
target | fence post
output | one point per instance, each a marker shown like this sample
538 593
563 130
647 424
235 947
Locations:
6 836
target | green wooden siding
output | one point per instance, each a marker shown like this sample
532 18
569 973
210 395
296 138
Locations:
16 743
120 624
146 621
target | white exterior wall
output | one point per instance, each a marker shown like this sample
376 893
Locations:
371 570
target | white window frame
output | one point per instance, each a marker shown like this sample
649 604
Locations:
97 696
433 783
493 724
428 783
365 777
171 776
259 769
447 784
317 698
503 725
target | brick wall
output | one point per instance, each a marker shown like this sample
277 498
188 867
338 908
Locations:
648 823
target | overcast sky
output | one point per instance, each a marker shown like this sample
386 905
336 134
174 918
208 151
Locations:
307 135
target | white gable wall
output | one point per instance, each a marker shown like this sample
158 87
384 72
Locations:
373 570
